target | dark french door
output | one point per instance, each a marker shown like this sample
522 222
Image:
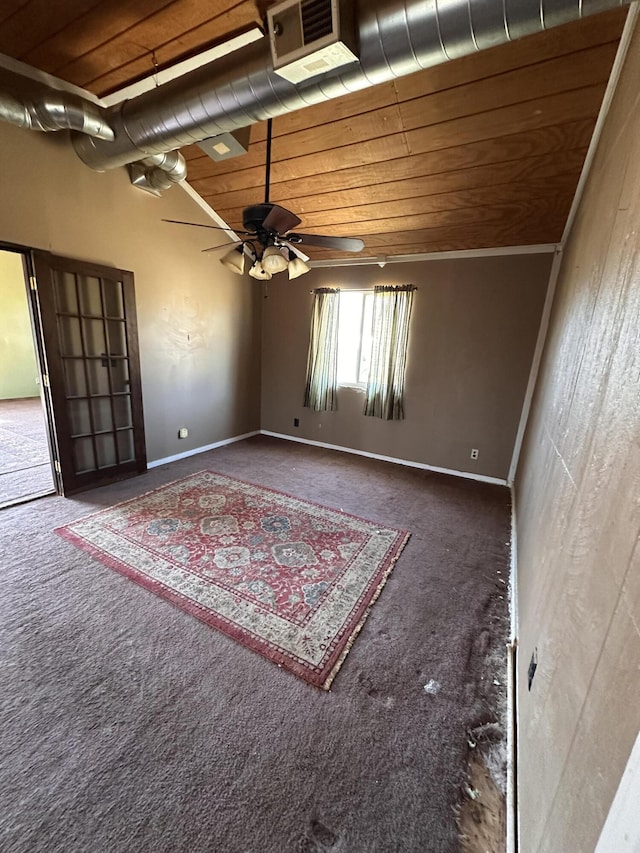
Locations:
88 325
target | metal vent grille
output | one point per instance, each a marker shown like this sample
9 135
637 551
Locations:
317 20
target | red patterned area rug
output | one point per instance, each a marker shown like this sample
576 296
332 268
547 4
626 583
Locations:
285 577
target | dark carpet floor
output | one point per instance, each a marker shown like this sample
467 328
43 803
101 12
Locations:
128 725
25 468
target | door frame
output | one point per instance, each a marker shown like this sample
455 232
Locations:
36 334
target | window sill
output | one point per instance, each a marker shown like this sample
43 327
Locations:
355 386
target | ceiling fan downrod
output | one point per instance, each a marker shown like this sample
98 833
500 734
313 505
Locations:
267 176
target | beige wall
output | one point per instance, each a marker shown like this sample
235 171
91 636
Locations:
578 512
473 332
198 323
18 367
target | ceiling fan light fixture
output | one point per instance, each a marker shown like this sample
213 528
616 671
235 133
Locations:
273 261
259 272
297 267
235 260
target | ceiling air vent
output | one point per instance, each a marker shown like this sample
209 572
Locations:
310 37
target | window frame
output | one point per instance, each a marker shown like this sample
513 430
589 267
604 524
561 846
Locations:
359 384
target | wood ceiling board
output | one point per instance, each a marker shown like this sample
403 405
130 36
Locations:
491 194
523 212
214 32
530 116
335 135
552 141
516 54
9 8
535 221
345 107
301 165
34 22
527 116
454 239
500 217
113 35
448 76
547 170
535 82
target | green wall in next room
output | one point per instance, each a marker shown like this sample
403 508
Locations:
18 366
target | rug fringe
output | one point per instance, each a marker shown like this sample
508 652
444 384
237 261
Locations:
326 684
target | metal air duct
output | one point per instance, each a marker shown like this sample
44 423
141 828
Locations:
395 38
34 105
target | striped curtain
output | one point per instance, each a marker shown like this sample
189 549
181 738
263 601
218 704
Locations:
385 388
322 361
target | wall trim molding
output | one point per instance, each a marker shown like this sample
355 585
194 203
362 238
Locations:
512 805
18 67
194 452
537 249
406 462
178 69
541 341
195 196
612 85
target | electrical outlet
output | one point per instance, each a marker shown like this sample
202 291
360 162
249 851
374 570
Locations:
475 453
296 422
183 432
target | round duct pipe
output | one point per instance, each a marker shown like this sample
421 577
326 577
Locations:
394 38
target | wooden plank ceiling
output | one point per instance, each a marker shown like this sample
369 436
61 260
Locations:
484 151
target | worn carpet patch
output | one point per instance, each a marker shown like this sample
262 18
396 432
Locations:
285 577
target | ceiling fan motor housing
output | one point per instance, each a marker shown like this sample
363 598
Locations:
254 216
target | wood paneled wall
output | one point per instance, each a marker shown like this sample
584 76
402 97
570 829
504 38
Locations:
578 511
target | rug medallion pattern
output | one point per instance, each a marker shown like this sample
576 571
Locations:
285 577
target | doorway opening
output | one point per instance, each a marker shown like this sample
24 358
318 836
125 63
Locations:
25 459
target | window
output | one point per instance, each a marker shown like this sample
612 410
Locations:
354 337
359 338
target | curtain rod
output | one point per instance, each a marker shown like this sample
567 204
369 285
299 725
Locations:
363 289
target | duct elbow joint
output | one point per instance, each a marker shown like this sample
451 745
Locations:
158 172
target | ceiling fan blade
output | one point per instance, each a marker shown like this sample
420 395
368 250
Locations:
222 246
215 227
296 251
280 220
344 244
247 248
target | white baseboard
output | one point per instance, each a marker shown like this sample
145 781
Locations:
468 476
512 820
196 450
513 809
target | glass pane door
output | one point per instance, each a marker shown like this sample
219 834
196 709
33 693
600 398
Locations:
89 328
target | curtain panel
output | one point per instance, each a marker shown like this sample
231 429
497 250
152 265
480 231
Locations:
385 388
322 361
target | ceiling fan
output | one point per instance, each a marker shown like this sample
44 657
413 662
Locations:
268 241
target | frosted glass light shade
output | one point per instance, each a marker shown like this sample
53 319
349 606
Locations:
235 260
297 267
273 261
259 272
